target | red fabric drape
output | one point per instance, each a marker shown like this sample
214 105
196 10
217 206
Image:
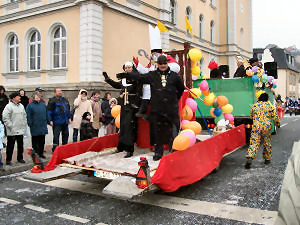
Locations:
186 167
65 151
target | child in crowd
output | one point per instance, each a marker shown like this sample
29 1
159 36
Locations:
86 129
110 121
1 145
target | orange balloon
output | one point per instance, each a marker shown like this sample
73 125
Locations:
206 92
187 113
115 111
212 112
222 100
194 126
181 142
117 121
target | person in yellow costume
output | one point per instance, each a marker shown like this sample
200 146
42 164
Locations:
262 114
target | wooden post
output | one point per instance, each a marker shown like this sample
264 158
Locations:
188 72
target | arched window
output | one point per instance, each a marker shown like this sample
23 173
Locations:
13 53
59 48
188 13
242 42
212 24
173 11
201 26
35 51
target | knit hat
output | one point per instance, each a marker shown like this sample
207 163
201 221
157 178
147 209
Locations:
14 94
162 59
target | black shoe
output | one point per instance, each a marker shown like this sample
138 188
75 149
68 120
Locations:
117 151
156 157
248 163
8 163
42 156
128 155
21 161
267 162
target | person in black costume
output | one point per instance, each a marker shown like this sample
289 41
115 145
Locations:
129 107
3 101
166 90
240 71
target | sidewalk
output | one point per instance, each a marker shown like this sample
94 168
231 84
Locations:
16 167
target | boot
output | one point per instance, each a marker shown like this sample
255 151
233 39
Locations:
128 155
248 163
156 157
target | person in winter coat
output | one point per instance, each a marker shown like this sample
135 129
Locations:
166 90
40 91
37 118
14 118
262 114
104 107
1 145
97 112
60 117
24 98
81 105
86 128
110 121
3 100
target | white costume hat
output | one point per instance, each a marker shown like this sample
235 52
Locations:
154 35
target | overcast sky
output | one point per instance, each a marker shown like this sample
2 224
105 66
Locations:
276 22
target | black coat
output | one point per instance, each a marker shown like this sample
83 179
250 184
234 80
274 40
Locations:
164 119
3 103
128 120
86 130
240 72
24 101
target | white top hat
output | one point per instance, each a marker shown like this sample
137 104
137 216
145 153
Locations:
154 35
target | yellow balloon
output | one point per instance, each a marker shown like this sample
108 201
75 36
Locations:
227 108
196 70
209 99
195 54
195 92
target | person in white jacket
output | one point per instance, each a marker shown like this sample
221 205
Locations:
14 118
81 105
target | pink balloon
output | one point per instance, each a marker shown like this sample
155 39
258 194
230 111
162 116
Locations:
203 85
194 77
184 122
229 117
191 103
274 82
191 136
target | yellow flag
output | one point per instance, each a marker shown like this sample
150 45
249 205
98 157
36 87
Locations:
161 27
188 26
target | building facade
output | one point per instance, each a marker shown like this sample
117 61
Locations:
288 69
70 42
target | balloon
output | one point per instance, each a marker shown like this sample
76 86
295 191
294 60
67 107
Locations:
195 54
209 100
191 136
206 92
229 117
181 142
255 78
215 104
274 82
196 70
115 111
194 126
204 85
227 108
274 86
187 130
217 119
117 121
191 103
264 78
187 113
270 79
194 77
184 122
195 92
254 69
217 112
212 112
222 100
249 73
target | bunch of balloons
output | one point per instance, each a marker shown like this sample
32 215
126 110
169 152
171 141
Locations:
116 113
195 55
187 137
259 77
221 109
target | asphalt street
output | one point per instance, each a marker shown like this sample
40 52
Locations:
232 195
